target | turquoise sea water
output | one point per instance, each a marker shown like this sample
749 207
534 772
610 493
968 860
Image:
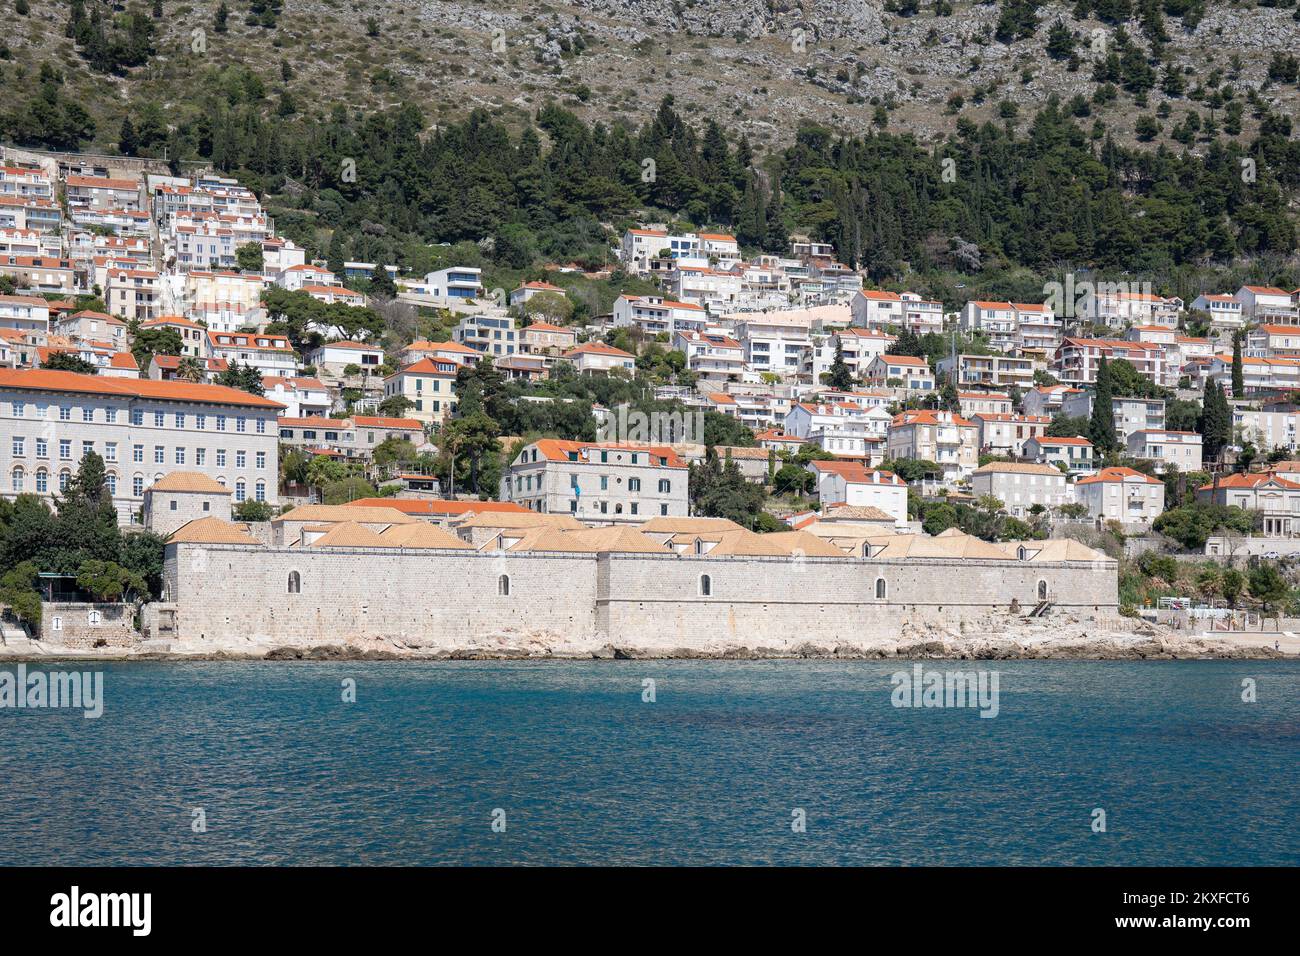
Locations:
587 772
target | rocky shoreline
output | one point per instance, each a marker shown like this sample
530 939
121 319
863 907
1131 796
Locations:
1142 643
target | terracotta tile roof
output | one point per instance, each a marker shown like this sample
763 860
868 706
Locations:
58 381
1017 468
427 366
802 544
348 534
422 534
1068 440
1253 480
928 416
615 538
424 346
212 531
356 346
346 513
671 525
855 472
1118 474
374 421
528 519
557 449
123 360
598 348
432 506
311 421
189 481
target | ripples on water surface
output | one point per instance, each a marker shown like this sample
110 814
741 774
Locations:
587 773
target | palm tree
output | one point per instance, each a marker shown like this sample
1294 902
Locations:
190 370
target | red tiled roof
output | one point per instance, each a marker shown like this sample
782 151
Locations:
429 506
1117 474
557 449
48 380
856 472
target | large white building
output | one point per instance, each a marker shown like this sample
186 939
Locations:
603 482
1022 485
143 429
853 483
655 315
1123 495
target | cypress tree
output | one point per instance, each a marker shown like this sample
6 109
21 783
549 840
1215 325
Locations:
841 374
1101 429
1216 421
1238 373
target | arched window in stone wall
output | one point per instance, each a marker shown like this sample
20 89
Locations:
1042 590
881 589
706 585
295 582
1022 553
503 585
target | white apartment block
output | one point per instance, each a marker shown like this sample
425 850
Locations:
25 182
1273 341
301 397
1130 414
986 403
94 192
1077 359
988 371
1123 495
30 242
25 313
1267 305
224 301
487 334
142 429
643 250
775 341
904 371
597 358
712 289
1258 374
132 293
995 320
655 315
269 353
712 355
603 482
1224 311
1005 434
1165 448
1265 430
1022 485
876 309
854 484
1118 308
949 440
458 282
30 213
295 277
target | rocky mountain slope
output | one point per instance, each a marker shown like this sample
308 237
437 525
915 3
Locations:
758 66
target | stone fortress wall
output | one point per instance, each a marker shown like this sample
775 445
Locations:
445 599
